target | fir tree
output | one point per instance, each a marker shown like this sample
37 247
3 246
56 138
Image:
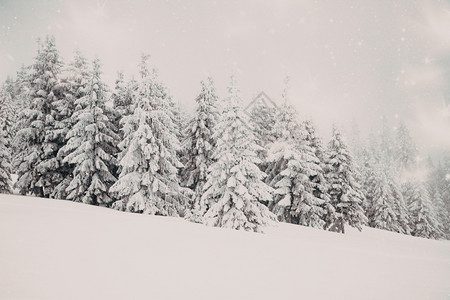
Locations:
318 177
39 140
262 121
200 143
234 184
344 192
122 98
399 206
72 86
405 151
148 181
381 214
423 217
91 146
296 172
5 167
8 112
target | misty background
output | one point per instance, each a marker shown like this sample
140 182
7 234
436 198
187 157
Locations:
347 60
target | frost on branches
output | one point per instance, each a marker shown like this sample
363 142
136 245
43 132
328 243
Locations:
234 186
91 146
344 191
148 181
200 143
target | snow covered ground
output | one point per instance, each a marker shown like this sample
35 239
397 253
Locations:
52 249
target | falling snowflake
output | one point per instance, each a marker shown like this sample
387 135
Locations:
447 177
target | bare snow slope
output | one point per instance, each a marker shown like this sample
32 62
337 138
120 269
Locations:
52 249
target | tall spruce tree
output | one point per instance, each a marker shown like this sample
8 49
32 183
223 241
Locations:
405 152
344 192
122 98
200 143
296 172
5 166
381 213
72 86
8 111
424 221
234 186
148 181
38 140
91 146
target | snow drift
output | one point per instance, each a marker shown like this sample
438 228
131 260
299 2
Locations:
54 249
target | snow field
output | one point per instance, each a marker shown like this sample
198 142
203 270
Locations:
54 249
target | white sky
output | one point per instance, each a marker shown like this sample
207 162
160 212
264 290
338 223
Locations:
346 59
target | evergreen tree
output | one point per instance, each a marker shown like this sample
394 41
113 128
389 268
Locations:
234 183
91 146
296 172
399 206
122 98
262 121
5 167
344 192
387 145
381 214
148 181
318 177
423 217
72 86
405 151
442 214
200 143
39 140
8 112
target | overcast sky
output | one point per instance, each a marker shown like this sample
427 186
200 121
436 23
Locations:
345 59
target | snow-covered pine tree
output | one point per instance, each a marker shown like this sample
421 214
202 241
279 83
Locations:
344 192
399 206
381 214
91 145
442 214
199 144
72 86
284 161
234 186
39 141
295 171
438 185
423 217
262 120
318 177
148 181
5 166
405 151
122 98
22 100
387 145
8 112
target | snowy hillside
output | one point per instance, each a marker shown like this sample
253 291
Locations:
54 249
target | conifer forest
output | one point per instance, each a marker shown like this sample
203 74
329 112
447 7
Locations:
65 134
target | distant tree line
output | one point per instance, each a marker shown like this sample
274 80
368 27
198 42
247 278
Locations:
66 135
